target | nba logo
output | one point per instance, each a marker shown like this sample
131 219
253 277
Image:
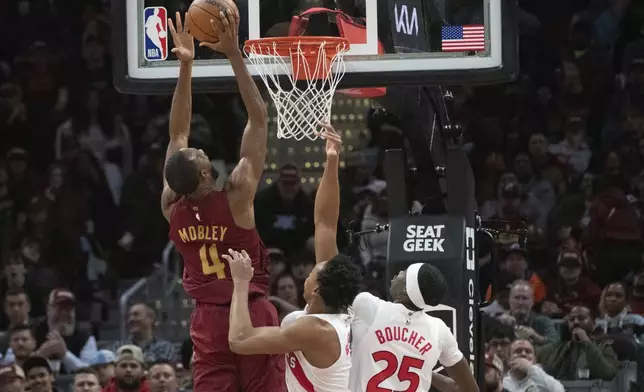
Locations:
155 25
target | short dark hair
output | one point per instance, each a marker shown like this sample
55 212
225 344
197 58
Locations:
86 370
161 362
433 285
339 283
181 173
20 328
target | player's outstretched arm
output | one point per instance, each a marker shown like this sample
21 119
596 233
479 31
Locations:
245 339
248 172
327 199
181 109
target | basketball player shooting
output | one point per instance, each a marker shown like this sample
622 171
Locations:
205 220
395 345
316 341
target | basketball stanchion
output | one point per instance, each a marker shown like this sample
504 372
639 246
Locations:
304 97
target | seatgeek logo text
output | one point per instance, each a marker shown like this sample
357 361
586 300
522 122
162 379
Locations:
421 238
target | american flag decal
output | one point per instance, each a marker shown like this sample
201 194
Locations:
457 38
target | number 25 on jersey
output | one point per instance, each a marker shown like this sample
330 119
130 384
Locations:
402 370
210 262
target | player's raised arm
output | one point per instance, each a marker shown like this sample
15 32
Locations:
327 199
181 109
245 339
248 172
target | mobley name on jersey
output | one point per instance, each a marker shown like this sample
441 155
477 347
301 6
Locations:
421 238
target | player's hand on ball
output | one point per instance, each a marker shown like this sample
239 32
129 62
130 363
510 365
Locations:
240 264
184 43
333 139
228 35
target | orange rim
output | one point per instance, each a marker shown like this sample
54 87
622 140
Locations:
282 45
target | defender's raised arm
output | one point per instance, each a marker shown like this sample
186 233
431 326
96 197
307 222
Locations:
253 145
181 109
327 199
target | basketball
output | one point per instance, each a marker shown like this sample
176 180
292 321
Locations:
200 13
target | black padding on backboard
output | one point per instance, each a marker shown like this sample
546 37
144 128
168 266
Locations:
394 168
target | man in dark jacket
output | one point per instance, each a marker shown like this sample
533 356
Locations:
578 357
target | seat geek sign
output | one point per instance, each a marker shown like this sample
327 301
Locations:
425 237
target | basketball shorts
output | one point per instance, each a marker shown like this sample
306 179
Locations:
216 368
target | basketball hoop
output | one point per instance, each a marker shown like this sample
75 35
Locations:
317 63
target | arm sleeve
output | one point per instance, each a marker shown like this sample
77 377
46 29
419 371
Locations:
544 381
450 354
90 350
72 362
365 307
602 361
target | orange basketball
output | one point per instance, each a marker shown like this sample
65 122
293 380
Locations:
200 13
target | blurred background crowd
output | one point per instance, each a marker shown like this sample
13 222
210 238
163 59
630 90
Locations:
558 157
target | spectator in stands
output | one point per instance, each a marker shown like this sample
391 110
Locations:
22 345
285 295
59 338
613 236
525 374
301 266
501 303
528 325
499 345
40 375
284 212
573 151
536 193
163 378
16 277
278 264
577 356
86 380
130 375
12 379
145 231
16 308
570 287
140 323
493 374
615 316
545 164
103 364
23 181
637 297
515 266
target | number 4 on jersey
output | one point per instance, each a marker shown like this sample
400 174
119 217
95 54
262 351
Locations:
210 262
404 371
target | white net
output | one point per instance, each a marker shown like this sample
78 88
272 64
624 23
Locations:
300 104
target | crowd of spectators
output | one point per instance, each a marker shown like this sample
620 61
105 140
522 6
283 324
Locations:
561 149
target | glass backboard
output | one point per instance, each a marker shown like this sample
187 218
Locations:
393 42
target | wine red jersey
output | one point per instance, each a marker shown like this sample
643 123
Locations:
204 229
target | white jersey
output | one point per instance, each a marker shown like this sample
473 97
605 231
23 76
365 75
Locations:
394 349
301 376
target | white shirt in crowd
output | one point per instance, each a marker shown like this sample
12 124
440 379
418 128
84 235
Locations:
537 380
71 361
396 349
301 376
